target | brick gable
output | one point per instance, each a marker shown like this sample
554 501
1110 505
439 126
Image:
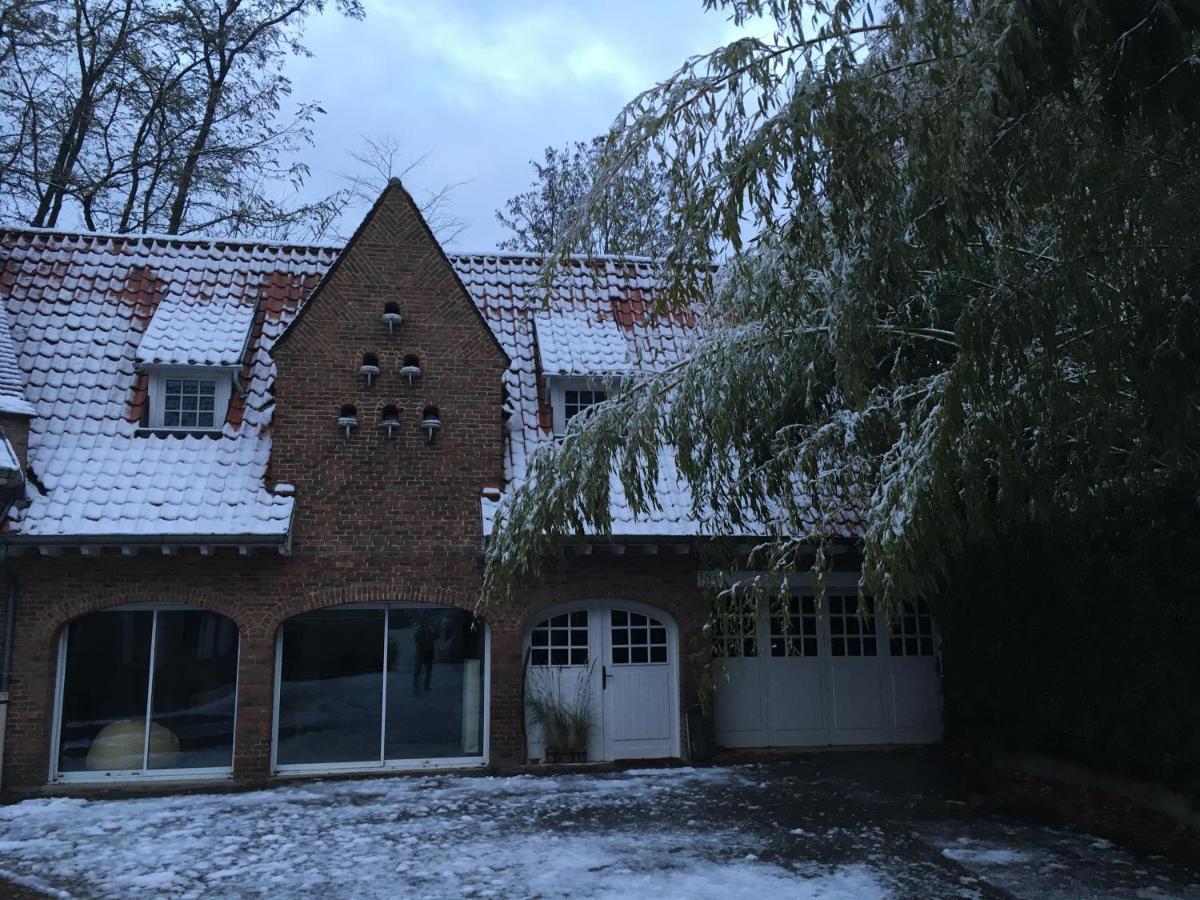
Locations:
413 503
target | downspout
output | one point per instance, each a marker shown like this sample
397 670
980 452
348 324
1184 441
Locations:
10 621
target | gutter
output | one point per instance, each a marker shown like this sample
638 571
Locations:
10 622
282 542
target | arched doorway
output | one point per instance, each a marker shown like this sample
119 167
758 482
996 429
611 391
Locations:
623 657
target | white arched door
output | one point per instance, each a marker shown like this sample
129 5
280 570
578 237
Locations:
624 658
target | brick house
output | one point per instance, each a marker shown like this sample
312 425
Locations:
248 488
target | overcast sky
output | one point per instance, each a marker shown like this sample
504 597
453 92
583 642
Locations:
483 86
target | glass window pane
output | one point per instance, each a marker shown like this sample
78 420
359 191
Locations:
434 684
195 674
658 654
104 692
331 687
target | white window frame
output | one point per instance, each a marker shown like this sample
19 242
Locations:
560 384
223 378
384 764
205 773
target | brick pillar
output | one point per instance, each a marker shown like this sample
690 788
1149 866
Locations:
507 735
256 699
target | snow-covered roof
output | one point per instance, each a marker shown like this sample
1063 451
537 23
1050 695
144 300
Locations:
190 329
80 306
12 380
89 311
579 343
595 319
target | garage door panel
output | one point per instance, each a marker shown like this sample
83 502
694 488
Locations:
738 714
856 707
913 677
795 705
916 708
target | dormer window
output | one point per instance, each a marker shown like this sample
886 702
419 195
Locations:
571 396
192 351
576 401
188 400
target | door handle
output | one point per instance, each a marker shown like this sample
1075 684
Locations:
604 676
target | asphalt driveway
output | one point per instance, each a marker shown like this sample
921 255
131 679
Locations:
836 825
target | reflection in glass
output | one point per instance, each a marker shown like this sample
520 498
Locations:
330 688
104 692
435 684
195 673
337 706
107 691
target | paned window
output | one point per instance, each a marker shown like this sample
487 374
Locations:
637 639
560 641
912 632
576 401
851 625
734 628
796 633
189 402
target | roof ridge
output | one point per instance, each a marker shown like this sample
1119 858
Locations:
138 237
577 257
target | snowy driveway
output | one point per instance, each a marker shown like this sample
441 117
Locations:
800 829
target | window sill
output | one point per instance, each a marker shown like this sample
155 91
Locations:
144 430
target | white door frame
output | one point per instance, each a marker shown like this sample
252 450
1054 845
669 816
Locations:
600 657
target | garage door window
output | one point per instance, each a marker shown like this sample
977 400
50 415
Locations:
734 630
851 625
912 633
796 633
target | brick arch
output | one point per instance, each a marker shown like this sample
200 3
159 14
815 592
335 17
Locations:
397 590
50 626
583 593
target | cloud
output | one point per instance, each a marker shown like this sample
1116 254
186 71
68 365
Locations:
485 85
520 53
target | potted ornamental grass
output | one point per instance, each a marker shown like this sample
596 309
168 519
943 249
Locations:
558 700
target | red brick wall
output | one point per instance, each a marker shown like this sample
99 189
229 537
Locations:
376 518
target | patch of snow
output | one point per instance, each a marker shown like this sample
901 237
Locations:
444 836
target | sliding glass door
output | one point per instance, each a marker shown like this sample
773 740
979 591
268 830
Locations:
374 686
146 691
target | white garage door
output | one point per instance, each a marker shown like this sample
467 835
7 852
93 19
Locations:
822 672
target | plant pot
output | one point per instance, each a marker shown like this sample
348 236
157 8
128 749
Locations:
701 739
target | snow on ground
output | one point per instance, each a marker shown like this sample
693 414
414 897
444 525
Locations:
826 827
418 837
